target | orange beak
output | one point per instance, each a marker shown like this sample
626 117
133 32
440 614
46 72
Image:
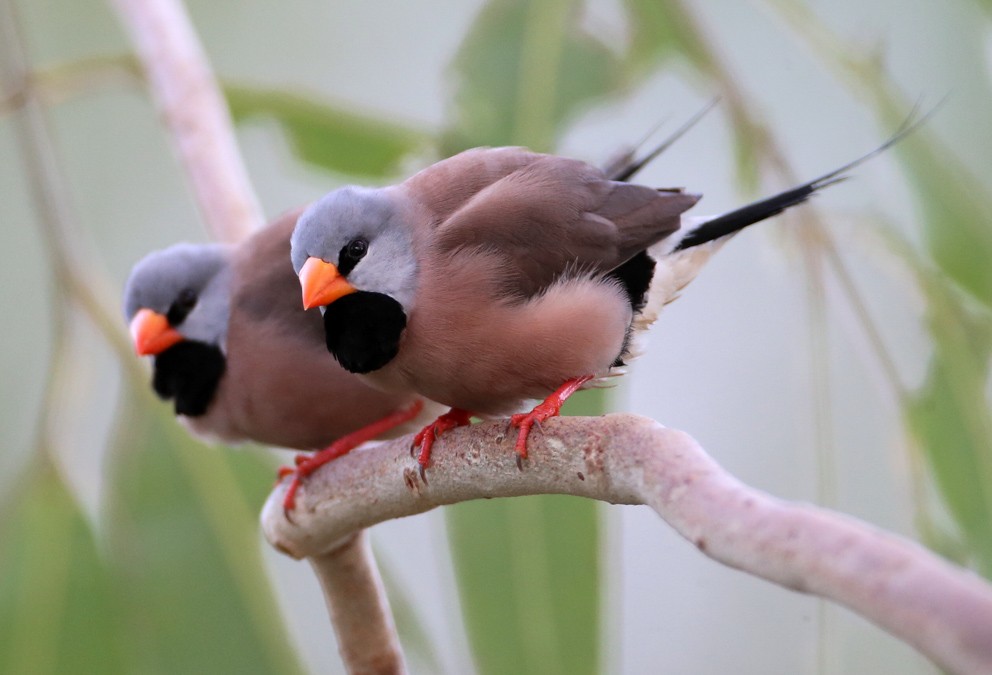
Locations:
322 283
151 333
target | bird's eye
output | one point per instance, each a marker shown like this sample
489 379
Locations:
183 305
351 253
357 248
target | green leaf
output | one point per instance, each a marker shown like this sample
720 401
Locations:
662 29
528 577
951 416
328 136
183 536
58 605
524 68
957 212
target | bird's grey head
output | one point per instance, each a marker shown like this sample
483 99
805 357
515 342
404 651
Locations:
362 232
187 284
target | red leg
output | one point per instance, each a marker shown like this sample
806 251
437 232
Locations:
307 464
456 417
546 409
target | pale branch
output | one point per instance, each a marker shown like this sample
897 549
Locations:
359 609
942 610
192 106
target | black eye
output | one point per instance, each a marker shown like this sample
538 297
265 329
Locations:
351 253
357 248
183 305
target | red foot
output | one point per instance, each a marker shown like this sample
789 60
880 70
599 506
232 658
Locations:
307 464
456 417
548 408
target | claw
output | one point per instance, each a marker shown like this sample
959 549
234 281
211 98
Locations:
546 409
425 438
307 464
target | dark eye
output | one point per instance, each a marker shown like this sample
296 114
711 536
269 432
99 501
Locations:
351 253
183 305
357 248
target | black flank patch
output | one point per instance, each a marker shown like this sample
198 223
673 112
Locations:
363 330
189 372
635 275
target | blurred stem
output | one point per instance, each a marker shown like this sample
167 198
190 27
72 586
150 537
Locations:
186 93
75 79
49 189
814 235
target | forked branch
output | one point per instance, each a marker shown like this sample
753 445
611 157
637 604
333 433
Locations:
942 610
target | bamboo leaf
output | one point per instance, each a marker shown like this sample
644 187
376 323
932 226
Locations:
184 540
328 136
525 68
58 605
951 415
529 583
957 214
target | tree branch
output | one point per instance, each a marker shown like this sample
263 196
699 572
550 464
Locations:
186 93
360 614
942 610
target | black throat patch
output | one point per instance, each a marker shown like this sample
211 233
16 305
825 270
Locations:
363 330
189 372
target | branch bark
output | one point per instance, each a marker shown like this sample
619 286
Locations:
360 614
192 106
943 611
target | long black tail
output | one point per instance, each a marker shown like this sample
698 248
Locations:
738 219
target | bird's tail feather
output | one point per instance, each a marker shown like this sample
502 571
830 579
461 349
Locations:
734 221
682 255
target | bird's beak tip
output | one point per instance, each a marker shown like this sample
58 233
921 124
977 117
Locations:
322 283
151 333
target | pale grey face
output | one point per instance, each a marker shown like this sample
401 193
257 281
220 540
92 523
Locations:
187 283
360 231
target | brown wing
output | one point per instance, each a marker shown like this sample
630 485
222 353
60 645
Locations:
546 215
266 289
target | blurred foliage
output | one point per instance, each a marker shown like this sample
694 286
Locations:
950 416
529 583
328 136
523 70
667 32
59 606
170 578
176 510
